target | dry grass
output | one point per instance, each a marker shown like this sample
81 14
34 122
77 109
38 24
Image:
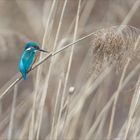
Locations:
87 87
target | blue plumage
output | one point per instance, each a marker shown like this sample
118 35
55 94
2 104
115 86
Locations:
27 57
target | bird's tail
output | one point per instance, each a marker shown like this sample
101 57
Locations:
24 75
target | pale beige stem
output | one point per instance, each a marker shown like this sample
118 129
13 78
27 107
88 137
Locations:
107 106
70 59
11 124
31 132
133 107
42 103
53 134
116 100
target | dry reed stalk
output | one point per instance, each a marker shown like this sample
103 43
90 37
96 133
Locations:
85 10
99 132
131 12
73 21
122 130
6 117
135 134
53 134
133 107
17 78
66 107
109 103
64 96
83 101
78 102
39 69
103 48
11 123
111 46
94 108
88 117
100 51
57 131
44 95
86 13
25 128
116 100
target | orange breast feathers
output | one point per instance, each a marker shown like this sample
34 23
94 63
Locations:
35 59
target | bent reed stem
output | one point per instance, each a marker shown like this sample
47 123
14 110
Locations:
41 61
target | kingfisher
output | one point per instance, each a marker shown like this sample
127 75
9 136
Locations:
29 57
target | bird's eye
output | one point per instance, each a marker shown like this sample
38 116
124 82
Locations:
37 47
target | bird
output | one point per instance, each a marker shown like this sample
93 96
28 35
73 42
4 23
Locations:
29 57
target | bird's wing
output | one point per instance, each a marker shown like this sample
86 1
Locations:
27 59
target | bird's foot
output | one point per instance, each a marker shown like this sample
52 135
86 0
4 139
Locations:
29 70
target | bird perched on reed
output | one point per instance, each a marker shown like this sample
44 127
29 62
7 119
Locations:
28 58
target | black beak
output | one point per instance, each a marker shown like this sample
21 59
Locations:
42 50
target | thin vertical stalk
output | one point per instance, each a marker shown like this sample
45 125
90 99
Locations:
131 12
70 59
109 103
25 127
53 134
72 49
133 106
73 21
86 12
31 132
88 90
12 113
42 103
116 99
67 106
99 132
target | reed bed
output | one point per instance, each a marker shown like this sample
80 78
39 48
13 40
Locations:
87 87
